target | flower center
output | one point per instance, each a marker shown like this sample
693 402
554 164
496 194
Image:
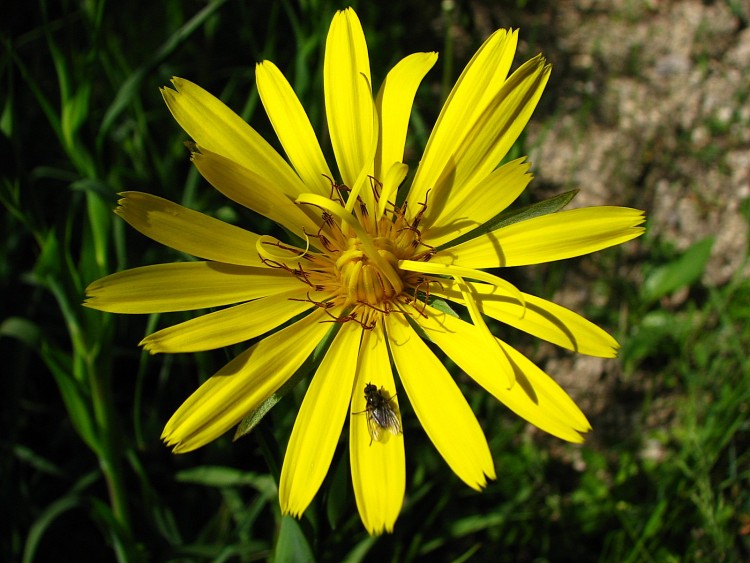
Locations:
361 280
354 274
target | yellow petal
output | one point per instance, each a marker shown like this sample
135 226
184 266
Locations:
319 422
475 89
503 286
243 384
348 97
378 468
492 135
188 231
542 389
493 353
439 405
292 127
391 181
228 326
535 396
547 238
539 317
394 103
218 129
466 210
253 191
365 178
184 286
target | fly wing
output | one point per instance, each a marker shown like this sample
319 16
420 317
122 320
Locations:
374 427
392 422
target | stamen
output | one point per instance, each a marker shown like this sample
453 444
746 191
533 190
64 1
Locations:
265 241
420 213
326 305
367 243
424 282
361 267
335 189
375 186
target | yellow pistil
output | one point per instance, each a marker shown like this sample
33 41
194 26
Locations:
357 266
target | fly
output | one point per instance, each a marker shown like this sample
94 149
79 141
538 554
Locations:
380 413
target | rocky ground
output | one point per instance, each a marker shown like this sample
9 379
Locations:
648 106
654 110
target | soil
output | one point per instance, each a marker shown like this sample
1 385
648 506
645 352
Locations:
649 107
653 112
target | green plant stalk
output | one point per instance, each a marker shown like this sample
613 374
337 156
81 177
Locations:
91 365
109 453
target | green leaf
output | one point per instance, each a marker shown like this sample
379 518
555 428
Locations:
291 545
100 218
443 306
657 334
7 121
127 92
744 208
21 329
682 272
508 217
44 521
35 86
74 113
130 89
33 459
252 420
655 522
360 551
220 476
75 395
124 548
49 264
551 205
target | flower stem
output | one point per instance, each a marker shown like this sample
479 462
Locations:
110 452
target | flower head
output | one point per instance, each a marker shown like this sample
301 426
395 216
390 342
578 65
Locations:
366 268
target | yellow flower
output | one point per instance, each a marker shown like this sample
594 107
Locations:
367 265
